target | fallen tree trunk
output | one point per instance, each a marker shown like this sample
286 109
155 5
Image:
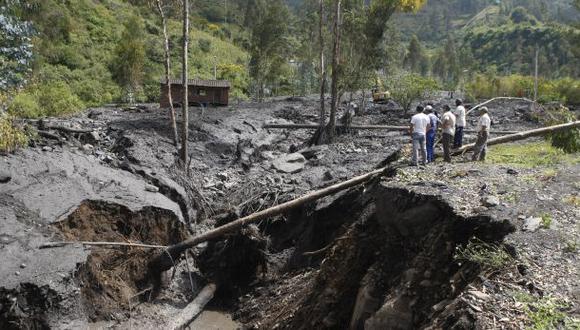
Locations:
522 135
190 312
164 261
364 127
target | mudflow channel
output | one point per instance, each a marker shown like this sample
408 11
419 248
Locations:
373 257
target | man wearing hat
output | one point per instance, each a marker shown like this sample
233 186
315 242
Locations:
483 126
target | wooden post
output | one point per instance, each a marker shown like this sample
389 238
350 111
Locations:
185 105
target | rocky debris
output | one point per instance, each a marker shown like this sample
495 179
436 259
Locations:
490 201
290 163
316 152
532 224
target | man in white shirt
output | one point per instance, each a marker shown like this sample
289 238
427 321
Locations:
460 124
418 129
483 127
448 127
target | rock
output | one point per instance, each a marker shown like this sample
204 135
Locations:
441 305
490 201
290 163
222 176
151 188
5 178
87 147
23 266
46 148
314 151
327 176
479 295
512 171
532 224
95 136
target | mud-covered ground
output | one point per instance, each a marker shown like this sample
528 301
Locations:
383 255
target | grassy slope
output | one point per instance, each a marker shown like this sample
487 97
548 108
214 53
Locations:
76 45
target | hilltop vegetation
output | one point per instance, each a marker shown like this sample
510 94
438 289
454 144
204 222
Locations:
84 49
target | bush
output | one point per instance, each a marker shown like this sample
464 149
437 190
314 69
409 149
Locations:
25 105
56 99
409 87
11 137
568 140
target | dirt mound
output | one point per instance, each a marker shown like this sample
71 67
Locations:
112 279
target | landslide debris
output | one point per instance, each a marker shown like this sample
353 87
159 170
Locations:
388 264
111 279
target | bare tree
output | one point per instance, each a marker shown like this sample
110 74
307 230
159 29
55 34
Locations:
168 72
335 67
320 136
185 117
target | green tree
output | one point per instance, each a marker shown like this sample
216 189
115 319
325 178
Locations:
129 57
409 87
416 61
268 42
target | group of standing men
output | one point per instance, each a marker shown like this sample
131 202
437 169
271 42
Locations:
424 132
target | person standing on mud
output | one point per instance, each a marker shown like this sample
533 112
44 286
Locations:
483 127
431 133
448 127
418 129
460 118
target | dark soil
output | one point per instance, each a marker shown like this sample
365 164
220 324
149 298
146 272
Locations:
111 279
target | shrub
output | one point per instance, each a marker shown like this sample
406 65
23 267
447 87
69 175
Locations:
25 105
56 99
485 254
409 87
568 140
11 137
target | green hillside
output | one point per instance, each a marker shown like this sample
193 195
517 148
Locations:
81 46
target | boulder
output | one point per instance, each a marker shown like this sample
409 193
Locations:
532 224
490 201
290 163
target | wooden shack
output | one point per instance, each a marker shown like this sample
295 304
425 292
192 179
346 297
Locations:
215 92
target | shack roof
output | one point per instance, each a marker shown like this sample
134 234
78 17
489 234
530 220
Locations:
200 83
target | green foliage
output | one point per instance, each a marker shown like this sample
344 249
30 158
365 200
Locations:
546 220
529 155
568 140
129 55
547 312
97 48
268 45
490 84
416 60
511 49
11 137
409 87
484 254
57 99
520 15
52 99
25 105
